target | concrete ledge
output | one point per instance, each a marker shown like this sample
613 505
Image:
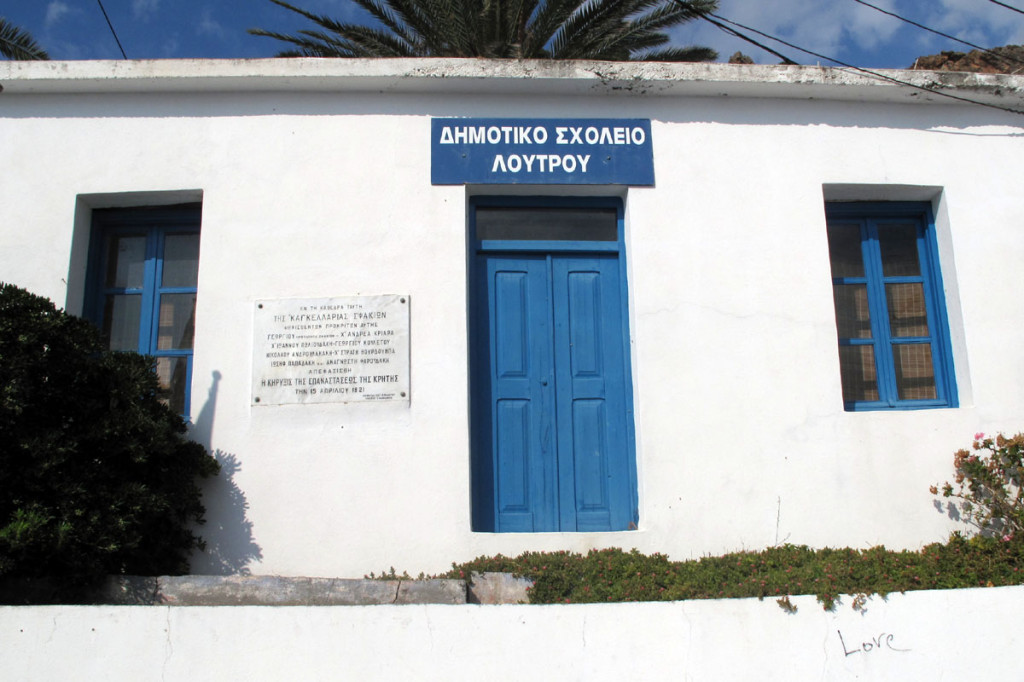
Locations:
498 588
206 590
244 590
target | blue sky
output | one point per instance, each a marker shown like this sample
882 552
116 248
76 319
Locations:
155 29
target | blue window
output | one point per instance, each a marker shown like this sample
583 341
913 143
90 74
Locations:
552 404
143 271
894 347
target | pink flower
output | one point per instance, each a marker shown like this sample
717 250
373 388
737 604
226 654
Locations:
979 435
1006 538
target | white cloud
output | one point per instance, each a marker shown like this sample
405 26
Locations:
872 29
839 27
143 8
54 11
169 47
982 23
210 26
810 24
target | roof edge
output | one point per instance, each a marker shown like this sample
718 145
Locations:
486 76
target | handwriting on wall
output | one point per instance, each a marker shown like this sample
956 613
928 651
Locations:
342 349
885 641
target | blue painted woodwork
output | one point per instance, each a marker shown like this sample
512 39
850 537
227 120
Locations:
541 151
552 418
149 334
874 223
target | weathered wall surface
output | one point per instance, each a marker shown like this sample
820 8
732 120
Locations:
742 440
916 636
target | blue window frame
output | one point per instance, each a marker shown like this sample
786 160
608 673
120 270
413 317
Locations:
142 279
552 418
894 350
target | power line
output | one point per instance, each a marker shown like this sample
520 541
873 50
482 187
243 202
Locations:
874 74
116 40
732 31
939 33
1003 4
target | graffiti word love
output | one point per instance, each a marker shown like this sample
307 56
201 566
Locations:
882 641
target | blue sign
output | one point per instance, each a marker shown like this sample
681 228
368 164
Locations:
547 151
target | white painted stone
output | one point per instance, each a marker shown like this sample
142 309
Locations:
314 178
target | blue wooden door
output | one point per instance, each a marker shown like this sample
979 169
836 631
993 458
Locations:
555 443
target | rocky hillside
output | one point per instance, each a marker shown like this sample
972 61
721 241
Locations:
1010 59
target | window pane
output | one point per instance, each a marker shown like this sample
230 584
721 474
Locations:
857 370
907 316
564 224
176 321
121 321
899 250
844 250
853 319
126 261
173 376
181 260
915 374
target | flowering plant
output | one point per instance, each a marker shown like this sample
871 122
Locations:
988 492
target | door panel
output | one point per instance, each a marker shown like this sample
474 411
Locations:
555 393
520 351
590 379
513 445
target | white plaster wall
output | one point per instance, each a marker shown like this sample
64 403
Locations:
742 439
914 636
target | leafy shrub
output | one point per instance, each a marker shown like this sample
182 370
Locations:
95 474
612 575
988 492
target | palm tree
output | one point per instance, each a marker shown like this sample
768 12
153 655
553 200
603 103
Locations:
516 29
18 44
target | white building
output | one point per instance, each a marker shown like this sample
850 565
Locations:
445 308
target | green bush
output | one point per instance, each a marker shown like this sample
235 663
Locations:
95 475
612 575
988 494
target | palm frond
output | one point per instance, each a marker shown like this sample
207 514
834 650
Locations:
359 41
442 25
680 54
545 25
522 29
517 17
307 46
597 23
646 30
17 44
386 15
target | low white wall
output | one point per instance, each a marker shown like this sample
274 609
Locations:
962 634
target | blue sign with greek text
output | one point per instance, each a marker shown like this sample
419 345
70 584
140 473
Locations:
547 151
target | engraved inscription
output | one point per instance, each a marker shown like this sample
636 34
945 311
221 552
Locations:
345 349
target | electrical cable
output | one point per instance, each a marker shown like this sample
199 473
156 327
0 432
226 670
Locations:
869 72
734 32
1003 4
116 39
939 33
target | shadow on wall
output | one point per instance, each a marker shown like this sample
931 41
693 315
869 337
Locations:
228 531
